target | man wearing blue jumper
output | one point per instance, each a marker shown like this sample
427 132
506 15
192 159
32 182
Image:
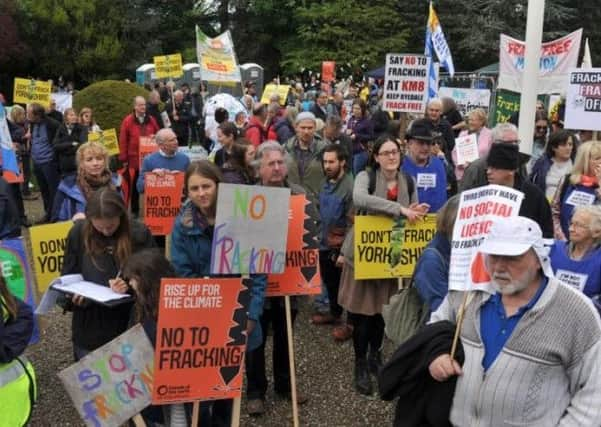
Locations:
167 159
532 348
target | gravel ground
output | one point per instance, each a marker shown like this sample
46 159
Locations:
324 372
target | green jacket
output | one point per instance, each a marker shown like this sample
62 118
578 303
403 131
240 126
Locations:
313 177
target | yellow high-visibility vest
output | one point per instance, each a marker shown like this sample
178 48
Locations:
17 388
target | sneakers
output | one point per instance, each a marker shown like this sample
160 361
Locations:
323 319
343 332
255 407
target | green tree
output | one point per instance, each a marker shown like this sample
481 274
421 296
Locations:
350 32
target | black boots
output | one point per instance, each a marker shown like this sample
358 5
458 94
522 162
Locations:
362 378
375 362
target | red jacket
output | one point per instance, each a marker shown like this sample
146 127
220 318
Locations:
254 131
129 138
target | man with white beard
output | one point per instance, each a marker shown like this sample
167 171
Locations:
532 348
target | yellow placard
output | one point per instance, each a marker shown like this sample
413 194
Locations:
271 88
48 244
108 138
27 91
385 248
168 66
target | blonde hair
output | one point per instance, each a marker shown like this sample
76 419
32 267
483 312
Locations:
583 158
67 111
480 113
594 224
17 112
86 110
96 148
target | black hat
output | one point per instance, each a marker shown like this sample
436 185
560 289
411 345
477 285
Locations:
250 83
420 129
503 155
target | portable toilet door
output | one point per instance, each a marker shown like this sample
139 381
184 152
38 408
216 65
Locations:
145 73
253 72
191 74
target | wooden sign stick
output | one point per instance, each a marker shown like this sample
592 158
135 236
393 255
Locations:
460 316
291 361
236 411
138 420
195 413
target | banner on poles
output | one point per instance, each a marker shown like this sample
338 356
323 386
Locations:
556 59
168 66
162 200
27 91
63 100
301 275
478 209
113 383
467 99
217 57
16 270
147 146
201 340
583 100
273 89
108 138
406 83
251 229
386 248
48 244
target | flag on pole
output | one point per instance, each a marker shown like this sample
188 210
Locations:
9 158
436 42
587 62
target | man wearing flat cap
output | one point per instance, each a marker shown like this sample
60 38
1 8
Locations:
427 170
502 169
304 156
532 348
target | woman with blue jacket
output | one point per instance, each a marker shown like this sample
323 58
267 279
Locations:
191 241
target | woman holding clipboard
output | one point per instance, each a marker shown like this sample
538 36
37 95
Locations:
97 248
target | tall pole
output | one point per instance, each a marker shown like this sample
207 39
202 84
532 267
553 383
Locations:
534 38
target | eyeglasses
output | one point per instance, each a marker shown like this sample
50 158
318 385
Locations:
541 127
389 153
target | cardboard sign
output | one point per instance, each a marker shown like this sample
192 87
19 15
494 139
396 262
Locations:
217 57
251 229
27 91
478 209
113 383
201 340
147 147
108 138
583 100
301 275
270 89
556 58
406 83
47 249
386 248
168 66
467 149
162 200
16 270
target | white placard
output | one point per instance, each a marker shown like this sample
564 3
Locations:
467 99
426 180
580 198
575 280
406 83
467 149
583 100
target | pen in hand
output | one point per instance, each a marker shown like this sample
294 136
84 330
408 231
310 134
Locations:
118 284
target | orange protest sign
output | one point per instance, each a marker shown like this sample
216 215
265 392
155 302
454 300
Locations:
147 146
162 200
328 71
301 274
201 340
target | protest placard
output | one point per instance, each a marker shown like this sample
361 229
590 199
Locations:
147 147
251 229
556 58
16 270
328 71
113 383
583 100
108 138
47 249
162 200
478 209
467 149
301 275
201 340
217 57
506 103
168 66
273 89
27 91
467 99
194 153
386 248
12 169
406 83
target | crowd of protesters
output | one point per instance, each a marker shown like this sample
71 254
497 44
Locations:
337 146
